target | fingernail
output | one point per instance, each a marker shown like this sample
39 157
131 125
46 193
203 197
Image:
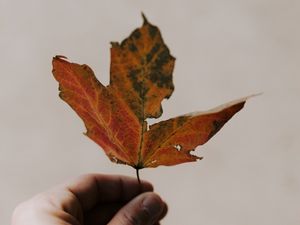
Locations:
153 204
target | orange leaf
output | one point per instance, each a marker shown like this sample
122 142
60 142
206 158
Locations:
115 116
170 142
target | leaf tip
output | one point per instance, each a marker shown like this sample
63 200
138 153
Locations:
60 57
114 44
195 157
145 19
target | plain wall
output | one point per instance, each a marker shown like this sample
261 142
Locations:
224 50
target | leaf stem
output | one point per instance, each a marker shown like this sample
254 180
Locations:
138 175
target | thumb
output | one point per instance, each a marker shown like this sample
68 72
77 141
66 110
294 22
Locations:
145 209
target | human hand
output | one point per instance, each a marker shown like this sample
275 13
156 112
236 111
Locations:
93 199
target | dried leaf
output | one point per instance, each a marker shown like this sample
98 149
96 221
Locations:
115 116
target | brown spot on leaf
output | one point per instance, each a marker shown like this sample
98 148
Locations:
152 31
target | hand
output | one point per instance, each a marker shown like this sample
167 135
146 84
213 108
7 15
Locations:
93 200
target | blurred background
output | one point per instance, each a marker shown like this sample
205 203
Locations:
224 49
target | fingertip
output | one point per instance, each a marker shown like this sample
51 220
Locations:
156 201
154 206
164 211
153 203
147 208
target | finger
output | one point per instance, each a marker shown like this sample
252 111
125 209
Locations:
93 189
164 212
102 214
145 209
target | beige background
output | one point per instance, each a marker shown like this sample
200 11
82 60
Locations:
224 50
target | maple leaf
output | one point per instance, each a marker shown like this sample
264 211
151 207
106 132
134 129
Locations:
115 115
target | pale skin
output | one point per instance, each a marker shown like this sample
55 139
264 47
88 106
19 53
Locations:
93 199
